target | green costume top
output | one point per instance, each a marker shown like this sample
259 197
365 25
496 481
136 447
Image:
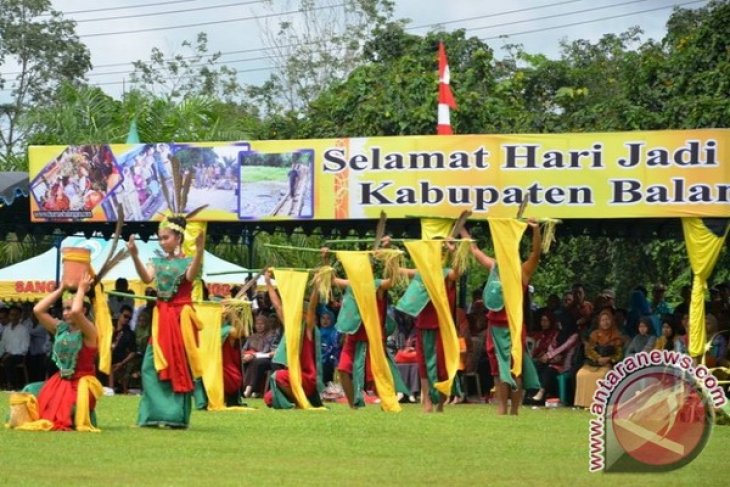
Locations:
416 297
169 273
66 349
348 319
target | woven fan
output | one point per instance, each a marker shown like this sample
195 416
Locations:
113 258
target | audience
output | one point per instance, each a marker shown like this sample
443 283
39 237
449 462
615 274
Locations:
603 350
645 340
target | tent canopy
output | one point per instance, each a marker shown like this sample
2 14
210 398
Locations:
33 278
12 184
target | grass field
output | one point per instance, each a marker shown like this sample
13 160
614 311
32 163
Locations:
468 445
255 174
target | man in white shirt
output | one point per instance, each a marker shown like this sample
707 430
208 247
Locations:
15 341
37 351
3 323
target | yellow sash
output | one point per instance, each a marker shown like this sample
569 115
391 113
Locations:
82 417
427 257
360 275
292 285
506 234
104 329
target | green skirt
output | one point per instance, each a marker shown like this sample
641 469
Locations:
160 406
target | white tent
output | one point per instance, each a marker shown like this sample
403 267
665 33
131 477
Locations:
31 279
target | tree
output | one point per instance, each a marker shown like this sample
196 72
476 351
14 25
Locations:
76 115
320 44
43 50
192 72
395 92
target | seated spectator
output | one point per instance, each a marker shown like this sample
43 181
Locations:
717 353
555 357
669 339
38 349
329 342
644 341
405 355
603 350
15 342
124 351
256 356
638 307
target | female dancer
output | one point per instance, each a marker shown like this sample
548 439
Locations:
499 341
280 395
67 400
167 381
429 344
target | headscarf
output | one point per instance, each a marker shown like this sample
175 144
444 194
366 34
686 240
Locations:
602 337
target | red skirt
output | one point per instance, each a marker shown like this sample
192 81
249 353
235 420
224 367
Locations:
57 397
170 340
232 378
308 364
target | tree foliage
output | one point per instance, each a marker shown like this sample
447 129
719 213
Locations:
41 49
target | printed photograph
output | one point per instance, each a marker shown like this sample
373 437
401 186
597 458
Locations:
76 182
277 185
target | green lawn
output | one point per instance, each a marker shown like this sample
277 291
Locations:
468 445
255 174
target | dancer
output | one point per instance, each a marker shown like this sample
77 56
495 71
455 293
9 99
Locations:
430 351
67 400
281 394
354 365
167 378
499 342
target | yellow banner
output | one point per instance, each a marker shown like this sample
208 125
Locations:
673 173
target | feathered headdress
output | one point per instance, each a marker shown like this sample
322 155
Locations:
179 199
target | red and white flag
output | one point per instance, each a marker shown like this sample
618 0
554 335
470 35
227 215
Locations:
446 98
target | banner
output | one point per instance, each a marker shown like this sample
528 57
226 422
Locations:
675 173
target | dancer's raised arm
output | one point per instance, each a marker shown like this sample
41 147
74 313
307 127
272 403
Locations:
44 305
146 274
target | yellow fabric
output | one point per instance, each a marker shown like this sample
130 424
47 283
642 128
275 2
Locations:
427 257
192 229
360 275
104 329
210 354
24 415
703 249
506 235
157 355
82 416
292 285
435 228
188 320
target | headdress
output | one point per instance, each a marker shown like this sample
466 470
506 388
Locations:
179 199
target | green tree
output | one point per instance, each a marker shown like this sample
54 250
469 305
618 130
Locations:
193 71
42 49
319 45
